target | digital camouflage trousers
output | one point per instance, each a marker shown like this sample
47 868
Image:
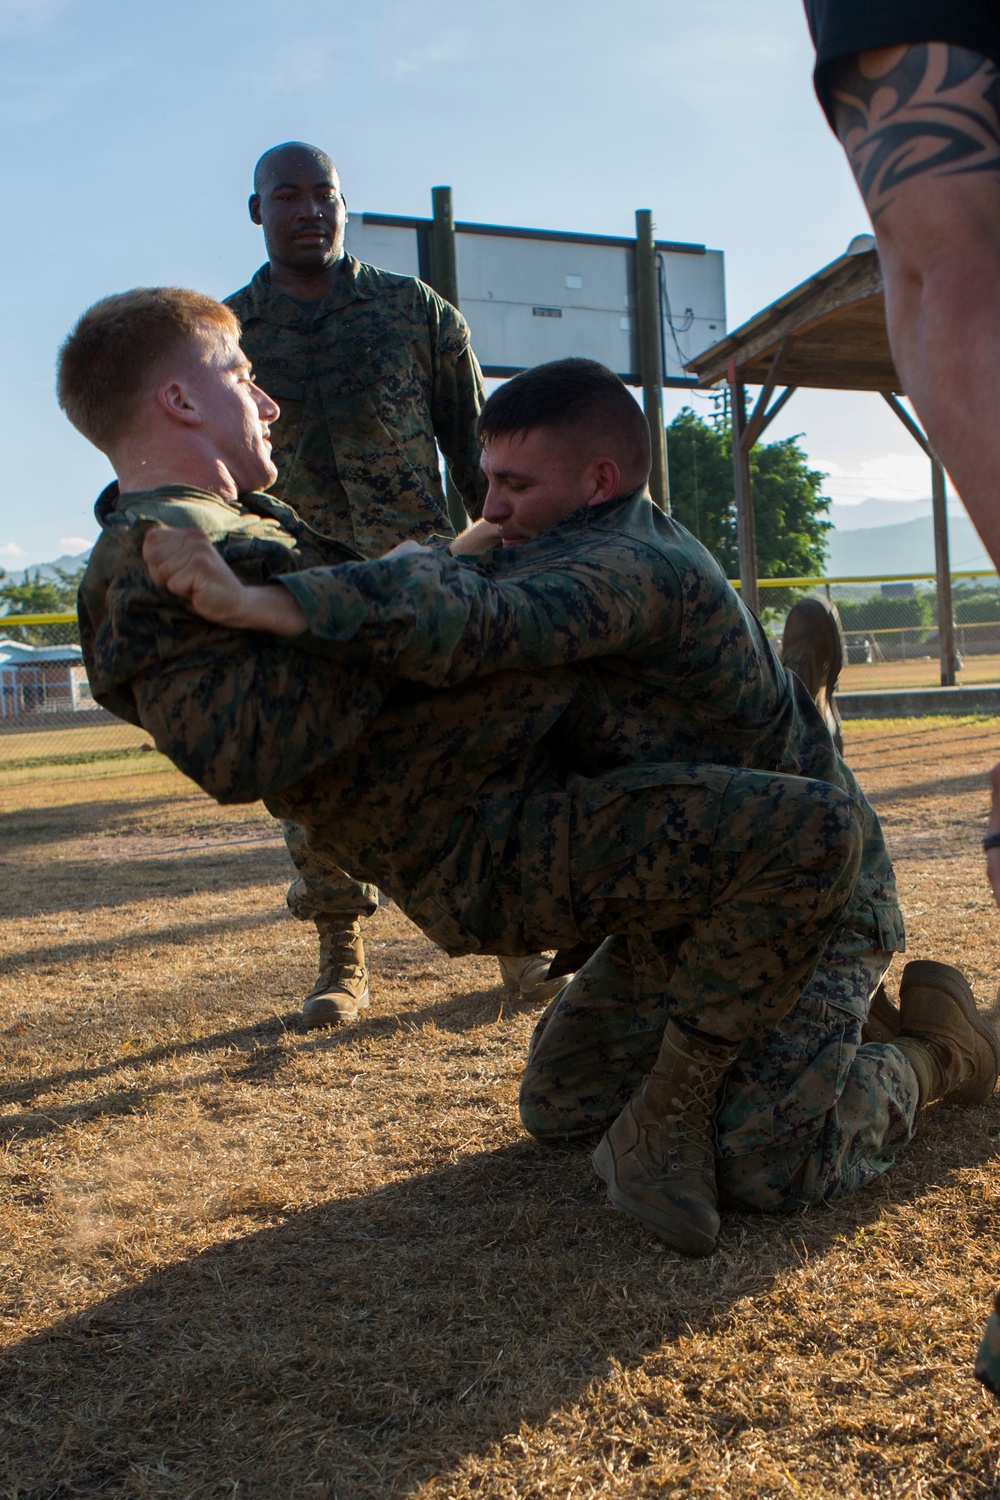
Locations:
323 891
807 1113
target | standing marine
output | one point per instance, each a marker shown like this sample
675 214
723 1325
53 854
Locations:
374 372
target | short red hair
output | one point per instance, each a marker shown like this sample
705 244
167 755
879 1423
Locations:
107 358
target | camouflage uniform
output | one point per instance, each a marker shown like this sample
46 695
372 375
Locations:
673 667
366 380
726 884
988 1358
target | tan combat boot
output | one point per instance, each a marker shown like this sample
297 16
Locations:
882 1024
812 646
658 1157
342 987
528 978
951 1046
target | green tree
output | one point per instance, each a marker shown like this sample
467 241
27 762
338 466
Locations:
39 596
789 506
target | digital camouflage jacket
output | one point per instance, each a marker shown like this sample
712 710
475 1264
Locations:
673 666
418 791
366 381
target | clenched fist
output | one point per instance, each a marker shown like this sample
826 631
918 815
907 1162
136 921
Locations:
183 560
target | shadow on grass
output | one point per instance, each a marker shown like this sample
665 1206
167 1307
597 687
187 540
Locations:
178 935
85 885
268 1046
940 786
29 826
357 1348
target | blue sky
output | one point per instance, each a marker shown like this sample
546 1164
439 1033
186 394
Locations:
131 132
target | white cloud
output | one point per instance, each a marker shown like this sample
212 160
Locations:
75 543
894 476
11 549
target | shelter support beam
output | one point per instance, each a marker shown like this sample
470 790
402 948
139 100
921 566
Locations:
746 534
942 560
745 433
649 328
760 417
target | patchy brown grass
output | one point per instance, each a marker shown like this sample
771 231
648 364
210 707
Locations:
244 1260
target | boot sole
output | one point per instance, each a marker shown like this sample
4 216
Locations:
930 974
313 1019
689 1243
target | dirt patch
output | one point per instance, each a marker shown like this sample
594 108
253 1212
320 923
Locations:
245 1260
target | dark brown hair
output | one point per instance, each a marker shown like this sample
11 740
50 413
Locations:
575 397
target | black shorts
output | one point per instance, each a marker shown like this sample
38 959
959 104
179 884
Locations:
841 28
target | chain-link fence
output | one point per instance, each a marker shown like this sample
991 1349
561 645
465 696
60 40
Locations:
891 627
47 712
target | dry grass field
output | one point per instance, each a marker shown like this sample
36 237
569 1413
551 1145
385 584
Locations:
916 672
241 1260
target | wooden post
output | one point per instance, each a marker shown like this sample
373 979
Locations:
444 280
650 353
942 562
746 533
444 272
942 567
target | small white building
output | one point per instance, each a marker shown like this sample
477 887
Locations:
42 680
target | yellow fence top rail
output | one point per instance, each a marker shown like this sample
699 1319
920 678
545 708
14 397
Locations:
762 583
7 620
801 583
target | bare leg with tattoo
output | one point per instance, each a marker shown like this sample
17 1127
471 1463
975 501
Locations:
921 128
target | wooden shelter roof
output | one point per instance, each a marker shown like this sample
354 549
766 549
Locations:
832 328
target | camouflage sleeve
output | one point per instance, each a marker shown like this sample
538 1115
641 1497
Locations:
242 714
435 620
456 401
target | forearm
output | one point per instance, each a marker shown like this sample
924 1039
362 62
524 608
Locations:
434 621
271 608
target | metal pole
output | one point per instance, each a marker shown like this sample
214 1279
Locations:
444 272
650 354
942 566
746 533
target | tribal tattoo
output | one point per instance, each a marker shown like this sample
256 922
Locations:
934 110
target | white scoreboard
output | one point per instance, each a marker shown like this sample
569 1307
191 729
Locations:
532 295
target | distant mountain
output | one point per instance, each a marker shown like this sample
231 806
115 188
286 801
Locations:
68 563
880 551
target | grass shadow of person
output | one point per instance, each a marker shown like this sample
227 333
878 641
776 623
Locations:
362 1346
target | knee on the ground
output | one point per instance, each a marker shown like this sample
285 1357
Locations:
550 1122
770 1182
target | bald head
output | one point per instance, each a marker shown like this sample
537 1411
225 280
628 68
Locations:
290 153
298 203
